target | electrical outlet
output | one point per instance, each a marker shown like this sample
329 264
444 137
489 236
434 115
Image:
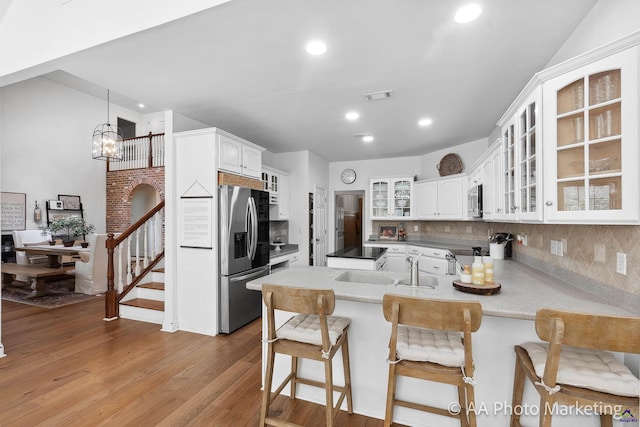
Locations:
416 228
559 247
564 245
554 247
524 240
621 263
599 252
447 228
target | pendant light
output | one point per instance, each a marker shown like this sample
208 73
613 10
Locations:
107 140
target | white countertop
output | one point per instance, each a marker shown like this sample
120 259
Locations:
524 290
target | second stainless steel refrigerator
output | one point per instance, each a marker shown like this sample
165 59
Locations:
244 254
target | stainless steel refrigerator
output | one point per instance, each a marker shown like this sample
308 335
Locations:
244 254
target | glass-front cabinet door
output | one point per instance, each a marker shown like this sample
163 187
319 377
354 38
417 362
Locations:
380 198
391 198
507 208
591 134
528 164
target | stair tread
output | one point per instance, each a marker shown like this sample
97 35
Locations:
145 303
153 285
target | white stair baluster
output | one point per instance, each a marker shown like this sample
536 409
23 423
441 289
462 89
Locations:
137 252
129 275
146 248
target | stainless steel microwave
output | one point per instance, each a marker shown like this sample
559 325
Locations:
474 197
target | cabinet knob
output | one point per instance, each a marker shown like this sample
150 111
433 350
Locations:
548 203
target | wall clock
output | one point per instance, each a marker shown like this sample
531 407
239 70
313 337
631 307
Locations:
348 176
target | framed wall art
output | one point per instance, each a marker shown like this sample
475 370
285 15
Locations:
70 202
388 232
14 211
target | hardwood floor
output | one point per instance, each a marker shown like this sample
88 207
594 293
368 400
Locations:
68 367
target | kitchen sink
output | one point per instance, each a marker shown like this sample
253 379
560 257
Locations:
365 277
426 281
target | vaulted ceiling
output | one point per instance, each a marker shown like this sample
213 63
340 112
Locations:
242 66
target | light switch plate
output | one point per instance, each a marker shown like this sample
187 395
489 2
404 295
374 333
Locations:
599 252
621 263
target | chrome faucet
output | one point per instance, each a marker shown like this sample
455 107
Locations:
415 280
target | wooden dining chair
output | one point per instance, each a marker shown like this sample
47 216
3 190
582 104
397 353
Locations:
311 334
572 367
426 343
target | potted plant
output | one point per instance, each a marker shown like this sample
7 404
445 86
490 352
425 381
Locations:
68 228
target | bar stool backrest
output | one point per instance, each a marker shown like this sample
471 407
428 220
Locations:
613 333
300 300
438 314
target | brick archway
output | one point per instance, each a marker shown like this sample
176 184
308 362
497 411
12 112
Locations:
120 188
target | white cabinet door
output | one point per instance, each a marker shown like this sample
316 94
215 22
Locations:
492 188
391 198
283 197
251 161
450 198
427 195
528 162
229 154
591 142
441 199
237 157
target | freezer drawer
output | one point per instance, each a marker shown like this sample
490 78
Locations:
239 305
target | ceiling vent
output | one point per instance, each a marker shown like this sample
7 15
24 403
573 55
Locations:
378 96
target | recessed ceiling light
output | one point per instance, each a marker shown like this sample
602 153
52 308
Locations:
364 137
352 115
316 47
141 105
468 13
425 122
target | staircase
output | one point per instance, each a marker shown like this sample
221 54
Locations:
145 302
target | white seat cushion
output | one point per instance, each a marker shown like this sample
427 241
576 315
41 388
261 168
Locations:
306 328
427 345
582 367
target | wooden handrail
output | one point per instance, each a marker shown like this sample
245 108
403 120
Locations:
129 231
111 298
150 155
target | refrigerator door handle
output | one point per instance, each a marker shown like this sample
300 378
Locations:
249 228
254 227
254 274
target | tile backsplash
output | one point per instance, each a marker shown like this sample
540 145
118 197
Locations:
279 231
588 250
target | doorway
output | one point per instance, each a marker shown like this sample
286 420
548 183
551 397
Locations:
348 219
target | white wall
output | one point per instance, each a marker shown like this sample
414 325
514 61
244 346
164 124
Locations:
608 20
45 139
468 153
196 270
33 32
297 164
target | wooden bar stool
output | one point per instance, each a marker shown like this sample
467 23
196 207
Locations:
426 344
311 334
572 369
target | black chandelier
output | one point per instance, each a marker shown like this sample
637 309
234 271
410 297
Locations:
107 140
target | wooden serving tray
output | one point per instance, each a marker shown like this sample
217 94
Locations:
477 289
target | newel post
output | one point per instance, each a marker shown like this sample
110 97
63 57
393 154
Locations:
111 307
150 164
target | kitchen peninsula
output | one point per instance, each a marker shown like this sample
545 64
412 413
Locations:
507 320
358 258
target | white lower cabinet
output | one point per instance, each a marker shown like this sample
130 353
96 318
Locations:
396 256
431 260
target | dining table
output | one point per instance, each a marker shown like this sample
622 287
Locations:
54 252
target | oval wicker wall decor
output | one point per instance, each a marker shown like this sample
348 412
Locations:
450 165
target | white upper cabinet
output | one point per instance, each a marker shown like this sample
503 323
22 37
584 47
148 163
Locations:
591 142
520 165
391 198
528 158
441 199
239 156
